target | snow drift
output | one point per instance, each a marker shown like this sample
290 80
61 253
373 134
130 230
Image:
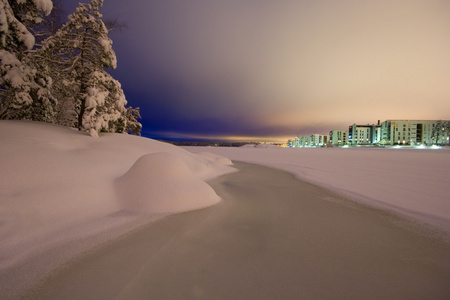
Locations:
62 191
171 183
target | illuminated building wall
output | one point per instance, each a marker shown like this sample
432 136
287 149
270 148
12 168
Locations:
364 134
390 132
413 132
338 138
313 140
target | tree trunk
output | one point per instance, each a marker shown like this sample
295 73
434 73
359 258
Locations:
81 114
5 100
83 86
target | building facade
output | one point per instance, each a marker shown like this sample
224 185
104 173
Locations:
338 138
414 132
318 140
364 134
313 140
389 132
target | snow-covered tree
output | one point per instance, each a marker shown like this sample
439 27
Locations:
440 132
81 51
50 24
131 119
15 17
18 85
129 122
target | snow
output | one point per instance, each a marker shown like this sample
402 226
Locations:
3 22
45 5
62 192
14 69
9 22
171 181
411 182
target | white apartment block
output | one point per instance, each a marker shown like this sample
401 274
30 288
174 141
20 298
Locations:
364 134
318 140
313 140
413 132
304 141
390 132
338 138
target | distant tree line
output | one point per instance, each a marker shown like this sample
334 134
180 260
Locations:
210 144
56 72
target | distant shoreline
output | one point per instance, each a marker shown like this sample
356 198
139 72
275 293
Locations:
209 143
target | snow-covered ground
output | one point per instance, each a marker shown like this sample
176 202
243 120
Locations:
62 191
412 182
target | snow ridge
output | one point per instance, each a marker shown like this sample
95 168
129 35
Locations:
62 192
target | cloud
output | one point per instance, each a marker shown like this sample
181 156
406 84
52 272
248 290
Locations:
284 64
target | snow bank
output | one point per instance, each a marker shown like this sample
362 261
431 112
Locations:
412 182
61 189
171 180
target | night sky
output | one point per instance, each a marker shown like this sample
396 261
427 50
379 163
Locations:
269 70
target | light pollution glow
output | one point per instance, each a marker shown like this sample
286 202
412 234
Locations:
279 68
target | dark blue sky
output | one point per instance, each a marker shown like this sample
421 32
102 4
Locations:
273 69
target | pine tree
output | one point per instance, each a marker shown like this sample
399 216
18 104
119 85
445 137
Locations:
129 122
131 119
50 23
18 86
81 51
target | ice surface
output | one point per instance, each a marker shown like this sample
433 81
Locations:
272 237
412 182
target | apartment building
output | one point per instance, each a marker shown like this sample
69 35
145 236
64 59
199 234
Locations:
364 134
304 141
390 132
313 140
338 138
413 132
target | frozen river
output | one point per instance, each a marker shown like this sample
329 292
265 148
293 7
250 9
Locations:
271 237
